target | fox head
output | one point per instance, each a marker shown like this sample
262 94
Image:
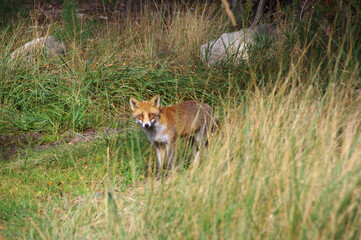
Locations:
146 113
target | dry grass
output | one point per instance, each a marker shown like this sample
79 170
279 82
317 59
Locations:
170 35
285 166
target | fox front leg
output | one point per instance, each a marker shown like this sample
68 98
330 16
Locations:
160 150
170 154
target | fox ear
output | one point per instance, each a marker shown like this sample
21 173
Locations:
155 101
134 103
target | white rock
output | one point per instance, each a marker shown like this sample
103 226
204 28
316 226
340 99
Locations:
233 45
45 47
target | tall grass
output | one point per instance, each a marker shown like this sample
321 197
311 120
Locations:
285 162
99 74
285 166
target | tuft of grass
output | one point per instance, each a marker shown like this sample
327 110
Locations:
72 27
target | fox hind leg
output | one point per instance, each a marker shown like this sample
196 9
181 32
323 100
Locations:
198 138
201 138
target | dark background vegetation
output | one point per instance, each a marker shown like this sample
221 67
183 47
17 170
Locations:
325 9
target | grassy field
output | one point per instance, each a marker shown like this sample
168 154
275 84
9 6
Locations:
285 163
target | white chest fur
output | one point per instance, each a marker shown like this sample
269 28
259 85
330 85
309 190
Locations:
157 133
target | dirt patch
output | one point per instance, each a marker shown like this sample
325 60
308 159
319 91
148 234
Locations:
10 145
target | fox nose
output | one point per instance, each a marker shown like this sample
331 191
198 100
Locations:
147 125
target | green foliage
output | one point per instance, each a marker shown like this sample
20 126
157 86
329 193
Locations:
9 9
71 20
247 13
263 46
73 28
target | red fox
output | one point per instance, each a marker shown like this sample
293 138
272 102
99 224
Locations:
164 125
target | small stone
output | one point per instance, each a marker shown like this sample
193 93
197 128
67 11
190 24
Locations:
45 47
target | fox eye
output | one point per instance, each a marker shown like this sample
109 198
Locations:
140 116
151 115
